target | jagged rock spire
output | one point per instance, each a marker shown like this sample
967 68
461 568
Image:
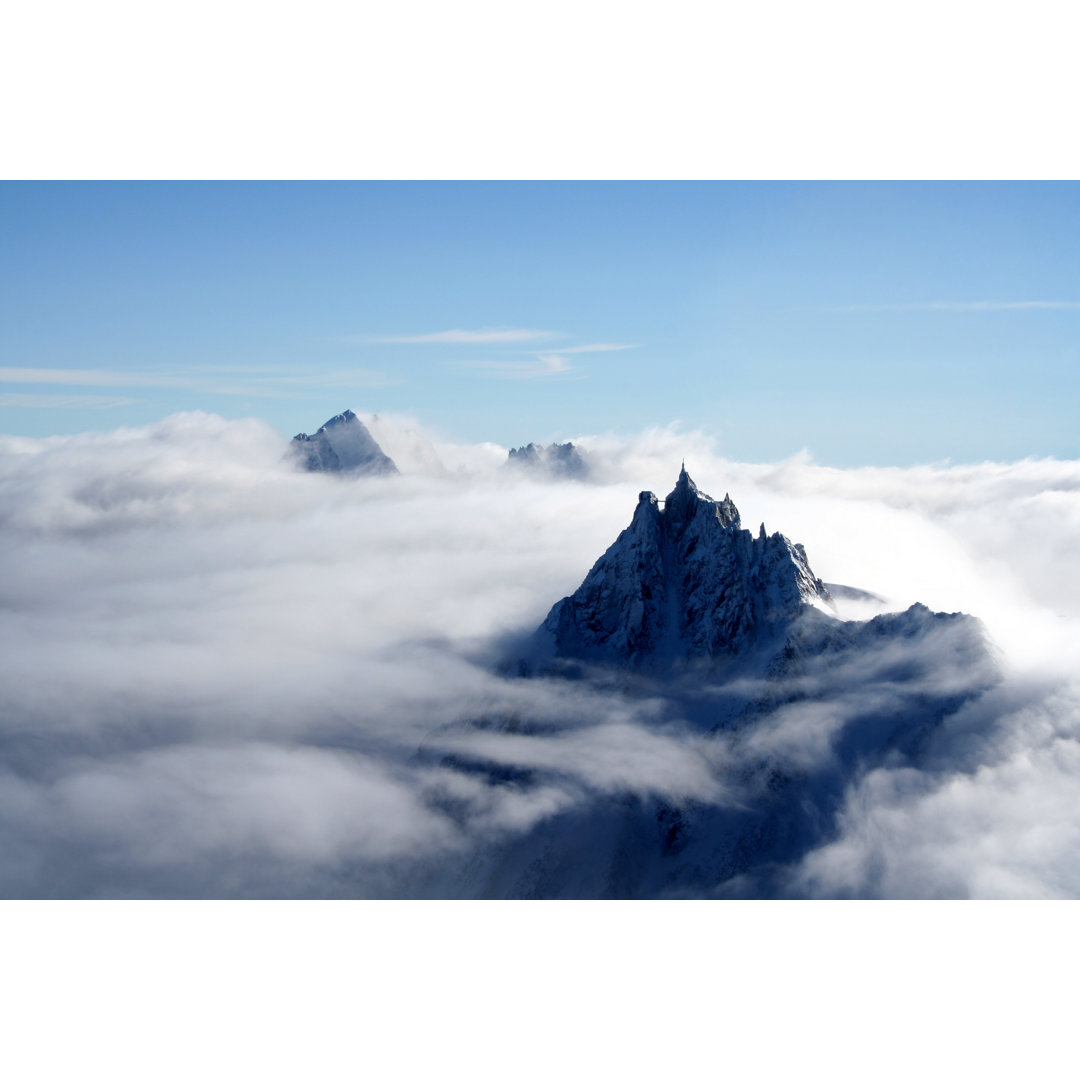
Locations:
686 500
683 582
681 503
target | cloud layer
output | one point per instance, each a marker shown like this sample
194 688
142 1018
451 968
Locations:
223 677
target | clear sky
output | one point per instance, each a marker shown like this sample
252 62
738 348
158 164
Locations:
867 323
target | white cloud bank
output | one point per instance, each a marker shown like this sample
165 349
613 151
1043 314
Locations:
223 677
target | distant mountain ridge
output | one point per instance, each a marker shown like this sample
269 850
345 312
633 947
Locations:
561 461
342 445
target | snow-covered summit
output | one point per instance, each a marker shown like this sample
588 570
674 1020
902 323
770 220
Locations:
683 582
344 445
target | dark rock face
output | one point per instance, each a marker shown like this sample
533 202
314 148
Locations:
560 461
342 445
684 581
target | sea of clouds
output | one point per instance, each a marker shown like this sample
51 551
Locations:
221 676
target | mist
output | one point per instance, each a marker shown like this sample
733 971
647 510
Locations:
220 676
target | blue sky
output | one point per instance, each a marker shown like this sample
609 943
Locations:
865 323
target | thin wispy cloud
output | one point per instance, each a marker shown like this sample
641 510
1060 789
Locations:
543 366
554 364
498 335
546 364
350 379
599 347
63 401
90 377
253 384
967 305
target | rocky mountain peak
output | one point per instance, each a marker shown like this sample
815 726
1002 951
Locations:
348 416
683 582
685 502
342 445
